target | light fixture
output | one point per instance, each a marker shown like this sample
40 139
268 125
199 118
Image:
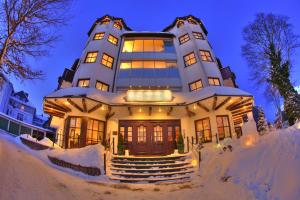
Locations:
140 110
66 103
195 107
194 162
102 107
159 109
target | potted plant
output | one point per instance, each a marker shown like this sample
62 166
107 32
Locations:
180 144
121 147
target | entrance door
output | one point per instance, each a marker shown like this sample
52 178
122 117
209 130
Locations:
149 137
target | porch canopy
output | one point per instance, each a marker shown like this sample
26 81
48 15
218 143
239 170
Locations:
209 99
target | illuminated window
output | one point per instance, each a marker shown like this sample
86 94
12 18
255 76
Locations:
189 59
184 38
107 60
206 56
138 46
83 83
112 39
94 134
102 86
158 134
223 127
145 46
74 132
159 46
148 46
118 25
129 134
170 133
105 21
128 46
214 81
203 130
198 35
147 64
192 21
91 57
99 36
180 24
122 131
142 134
197 85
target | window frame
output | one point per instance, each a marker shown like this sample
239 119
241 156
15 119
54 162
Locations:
83 79
118 25
194 82
214 78
210 131
185 61
97 81
210 55
112 63
90 52
94 38
114 39
184 38
100 132
223 127
196 35
158 134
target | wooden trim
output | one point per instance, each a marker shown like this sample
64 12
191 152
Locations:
235 112
130 111
170 110
58 107
203 106
215 102
46 106
223 124
242 107
195 124
75 105
223 103
54 113
189 113
232 107
94 108
150 111
84 105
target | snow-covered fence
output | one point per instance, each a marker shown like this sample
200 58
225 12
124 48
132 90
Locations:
17 127
33 145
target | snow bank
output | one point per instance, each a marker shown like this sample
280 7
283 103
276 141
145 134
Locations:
45 141
267 165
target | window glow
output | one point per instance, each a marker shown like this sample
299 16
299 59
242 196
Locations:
149 95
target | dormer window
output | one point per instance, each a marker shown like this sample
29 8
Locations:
192 21
105 21
198 35
118 25
180 24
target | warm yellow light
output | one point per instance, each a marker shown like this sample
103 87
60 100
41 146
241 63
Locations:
195 107
249 140
219 145
140 110
194 162
102 107
149 95
159 109
66 103
230 101
298 125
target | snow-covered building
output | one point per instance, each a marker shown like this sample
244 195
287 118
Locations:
150 87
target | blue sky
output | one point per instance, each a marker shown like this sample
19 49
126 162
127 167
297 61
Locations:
223 19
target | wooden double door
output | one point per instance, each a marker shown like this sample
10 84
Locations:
150 137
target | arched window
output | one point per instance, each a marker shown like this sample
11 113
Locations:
180 24
158 134
141 134
118 25
192 21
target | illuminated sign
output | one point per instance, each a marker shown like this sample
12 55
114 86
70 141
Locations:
149 95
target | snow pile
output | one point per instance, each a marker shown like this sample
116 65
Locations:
89 156
267 165
45 141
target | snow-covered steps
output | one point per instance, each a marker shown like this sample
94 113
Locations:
132 169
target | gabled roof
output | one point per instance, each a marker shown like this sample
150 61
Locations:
186 18
111 18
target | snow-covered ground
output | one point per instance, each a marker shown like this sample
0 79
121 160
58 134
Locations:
259 167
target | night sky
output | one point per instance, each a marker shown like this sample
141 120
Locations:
224 21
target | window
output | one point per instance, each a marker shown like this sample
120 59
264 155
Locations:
122 131
91 57
99 36
118 25
206 56
198 35
129 134
214 81
74 132
149 64
184 38
170 133
158 134
112 39
177 132
141 134
223 127
192 21
197 85
102 86
180 24
189 59
107 60
105 21
95 131
203 131
83 83
20 117
140 45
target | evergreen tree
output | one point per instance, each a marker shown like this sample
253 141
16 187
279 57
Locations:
261 123
180 144
121 148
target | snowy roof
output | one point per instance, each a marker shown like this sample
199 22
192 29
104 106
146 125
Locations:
118 98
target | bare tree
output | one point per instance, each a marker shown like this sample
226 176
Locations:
269 46
27 29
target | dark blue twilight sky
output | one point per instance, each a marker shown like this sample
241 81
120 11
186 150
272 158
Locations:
223 19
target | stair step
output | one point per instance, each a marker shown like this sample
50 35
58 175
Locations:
150 180
152 170
145 175
144 166
148 158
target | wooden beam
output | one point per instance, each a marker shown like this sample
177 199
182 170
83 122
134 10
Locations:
54 107
84 104
58 107
54 113
75 105
241 110
109 115
232 107
130 111
62 105
215 102
170 110
242 106
203 106
241 113
222 103
95 108
234 103
189 113
150 111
